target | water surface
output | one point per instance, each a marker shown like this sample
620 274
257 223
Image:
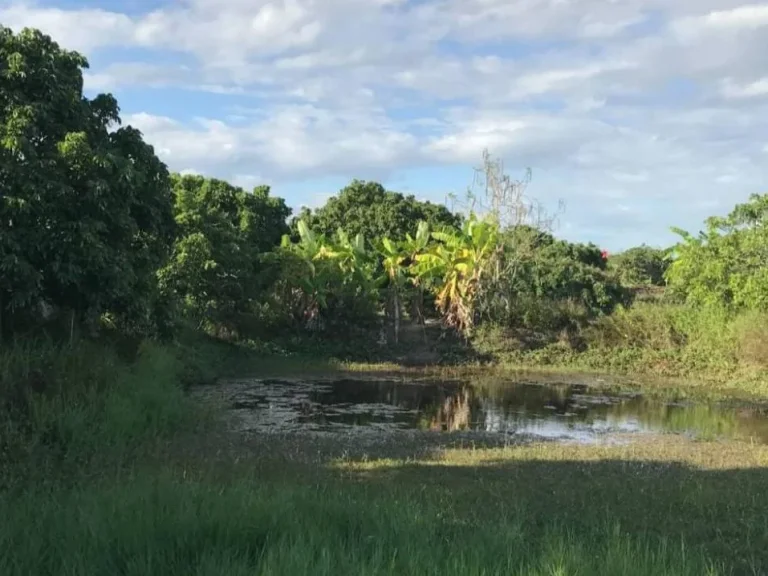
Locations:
557 411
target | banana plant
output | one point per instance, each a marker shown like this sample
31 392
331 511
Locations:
393 261
307 273
351 256
412 247
455 265
327 268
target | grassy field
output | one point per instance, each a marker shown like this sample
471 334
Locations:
113 470
667 508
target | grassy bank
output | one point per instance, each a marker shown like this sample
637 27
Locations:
675 344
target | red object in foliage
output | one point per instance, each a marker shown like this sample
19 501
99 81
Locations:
604 254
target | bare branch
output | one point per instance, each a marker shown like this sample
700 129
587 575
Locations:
496 195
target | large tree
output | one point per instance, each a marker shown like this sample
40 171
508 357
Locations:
85 208
369 209
222 231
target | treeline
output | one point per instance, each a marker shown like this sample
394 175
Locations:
96 232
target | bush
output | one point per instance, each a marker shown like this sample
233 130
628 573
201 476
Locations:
725 265
549 285
752 339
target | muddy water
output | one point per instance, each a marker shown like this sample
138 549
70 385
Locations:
555 411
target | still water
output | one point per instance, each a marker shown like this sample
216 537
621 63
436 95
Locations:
555 411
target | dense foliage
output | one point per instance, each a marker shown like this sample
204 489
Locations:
369 209
727 264
322 284
85 208
542 282
641 266
222 231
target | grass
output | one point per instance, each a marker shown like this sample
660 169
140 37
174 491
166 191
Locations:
164 526
670 508
109 468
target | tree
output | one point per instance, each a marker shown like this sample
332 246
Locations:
393 261
369 209
222 232
544 280
495 196
640 266
85 208
727 264
412 247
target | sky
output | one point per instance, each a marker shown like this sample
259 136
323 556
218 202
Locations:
638 114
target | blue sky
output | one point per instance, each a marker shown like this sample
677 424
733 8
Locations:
639 114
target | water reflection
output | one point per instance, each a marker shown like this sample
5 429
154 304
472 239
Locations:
553 411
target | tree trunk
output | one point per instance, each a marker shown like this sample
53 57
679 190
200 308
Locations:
396 303
72 328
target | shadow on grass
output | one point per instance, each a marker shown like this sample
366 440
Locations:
719 514
711 496
527 518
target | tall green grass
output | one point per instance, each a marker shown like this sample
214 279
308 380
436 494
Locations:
157 524
62 407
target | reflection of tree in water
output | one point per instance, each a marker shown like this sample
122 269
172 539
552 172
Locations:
454 413
447 406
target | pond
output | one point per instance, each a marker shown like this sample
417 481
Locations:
576 412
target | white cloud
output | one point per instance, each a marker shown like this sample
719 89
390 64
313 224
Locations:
556 80
744 17
81 30
288 140
731 89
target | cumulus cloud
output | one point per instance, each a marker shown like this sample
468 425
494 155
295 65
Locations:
642 113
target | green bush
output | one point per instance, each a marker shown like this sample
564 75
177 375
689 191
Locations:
548 285
725 265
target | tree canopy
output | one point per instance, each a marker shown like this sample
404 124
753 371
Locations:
641 266
85 208
727 264
222 232
369 209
